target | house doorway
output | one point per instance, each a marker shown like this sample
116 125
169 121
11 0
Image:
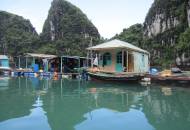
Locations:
119 66
130 62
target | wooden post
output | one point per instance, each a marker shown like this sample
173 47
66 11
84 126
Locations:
87 59
122 58
26 62
148 61
99 55
78 62
91 56
33 60
61 65
19 62
127 61
47 65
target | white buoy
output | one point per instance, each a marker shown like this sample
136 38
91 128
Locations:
12 74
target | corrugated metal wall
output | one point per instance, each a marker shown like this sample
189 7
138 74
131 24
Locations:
141 63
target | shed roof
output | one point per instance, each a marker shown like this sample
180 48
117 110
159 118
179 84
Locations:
4 57
74 57
41 55
114 44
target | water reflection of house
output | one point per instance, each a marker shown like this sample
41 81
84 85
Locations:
4 83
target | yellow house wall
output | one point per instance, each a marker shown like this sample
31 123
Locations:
109 68
138 65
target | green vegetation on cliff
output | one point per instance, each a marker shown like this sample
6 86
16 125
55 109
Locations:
17 35
67 30
184 41
133 34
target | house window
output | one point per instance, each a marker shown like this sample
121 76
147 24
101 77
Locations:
119 57
107 59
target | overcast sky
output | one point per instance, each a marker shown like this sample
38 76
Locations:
109 16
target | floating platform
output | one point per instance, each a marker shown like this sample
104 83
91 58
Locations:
45 74
31 74
174 78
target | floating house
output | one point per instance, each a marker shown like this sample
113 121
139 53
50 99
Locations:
118 60
4 65
4 62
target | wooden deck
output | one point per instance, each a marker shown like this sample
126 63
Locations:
114 72
180 77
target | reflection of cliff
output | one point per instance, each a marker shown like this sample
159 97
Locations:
67 103
14 102
168 112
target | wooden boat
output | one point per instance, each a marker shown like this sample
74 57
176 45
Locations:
124 77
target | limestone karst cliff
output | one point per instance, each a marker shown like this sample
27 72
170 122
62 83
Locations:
164 24
68 28
17 35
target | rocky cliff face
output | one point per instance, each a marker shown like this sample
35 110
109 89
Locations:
188 13
68 24
164 23
159 25
17 35
165 15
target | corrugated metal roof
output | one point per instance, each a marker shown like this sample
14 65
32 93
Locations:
4 57
113 44
40 55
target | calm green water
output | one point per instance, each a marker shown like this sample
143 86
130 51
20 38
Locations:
44 104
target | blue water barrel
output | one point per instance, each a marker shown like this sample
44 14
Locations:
36 67
153 71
